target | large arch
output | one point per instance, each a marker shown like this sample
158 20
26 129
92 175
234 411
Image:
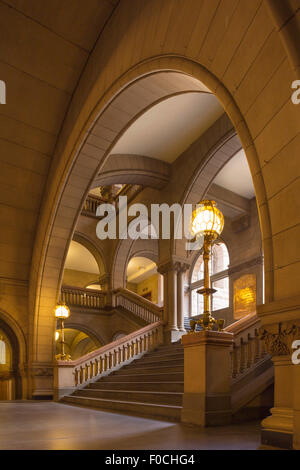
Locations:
91 155
75 170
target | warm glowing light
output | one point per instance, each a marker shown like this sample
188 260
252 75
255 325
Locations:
62 311
56 335
207 220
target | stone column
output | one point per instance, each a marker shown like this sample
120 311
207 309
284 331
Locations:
282 428
181 269
169 272
207 374
105 282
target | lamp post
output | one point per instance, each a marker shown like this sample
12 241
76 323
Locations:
207 221
62 312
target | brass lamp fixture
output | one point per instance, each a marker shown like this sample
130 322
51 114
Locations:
207 222
62 312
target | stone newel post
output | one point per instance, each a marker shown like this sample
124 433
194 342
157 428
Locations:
207 373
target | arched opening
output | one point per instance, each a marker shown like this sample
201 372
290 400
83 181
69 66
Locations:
77 343
10 380
81 268
171 86
143 279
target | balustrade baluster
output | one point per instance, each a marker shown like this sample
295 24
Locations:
250 358
76 377
243 356
86 375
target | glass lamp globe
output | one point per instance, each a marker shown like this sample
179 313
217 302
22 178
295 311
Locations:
207 220
62 311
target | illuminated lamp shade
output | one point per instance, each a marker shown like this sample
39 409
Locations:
207 220
62 311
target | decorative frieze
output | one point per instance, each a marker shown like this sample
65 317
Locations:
279 343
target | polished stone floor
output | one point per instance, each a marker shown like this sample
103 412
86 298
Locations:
53 426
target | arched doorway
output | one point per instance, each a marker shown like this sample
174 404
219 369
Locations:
143 279
10 380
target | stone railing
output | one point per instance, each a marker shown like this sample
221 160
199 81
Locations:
70 375
139 306
251 366
248 348
91 203
80 297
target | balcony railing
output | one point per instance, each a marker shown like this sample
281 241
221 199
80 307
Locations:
90 205
86 298
92 202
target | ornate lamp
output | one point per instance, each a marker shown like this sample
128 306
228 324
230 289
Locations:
62 312
207 221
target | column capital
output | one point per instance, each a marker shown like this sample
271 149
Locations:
173 264
279 337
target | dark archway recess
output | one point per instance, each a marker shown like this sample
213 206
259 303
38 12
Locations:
15 358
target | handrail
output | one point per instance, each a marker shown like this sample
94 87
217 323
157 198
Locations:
80 297
109 357
241 325
248 349
136 304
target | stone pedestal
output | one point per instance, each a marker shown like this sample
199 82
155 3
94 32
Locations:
63 380
207 373
277 429
280 328
296 414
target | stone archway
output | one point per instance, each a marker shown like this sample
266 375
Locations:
84 240
14 377
76 169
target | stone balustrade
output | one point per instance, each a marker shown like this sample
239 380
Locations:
91 203
79 297
139 306
248 348
70 375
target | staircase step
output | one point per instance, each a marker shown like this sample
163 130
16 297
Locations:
155 364
149 377
163 398
163 359
168 412
146 386
169 347
163 354
150 370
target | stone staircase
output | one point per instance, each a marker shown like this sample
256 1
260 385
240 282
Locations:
149 386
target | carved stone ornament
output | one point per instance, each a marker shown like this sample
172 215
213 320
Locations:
279 343
43 372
